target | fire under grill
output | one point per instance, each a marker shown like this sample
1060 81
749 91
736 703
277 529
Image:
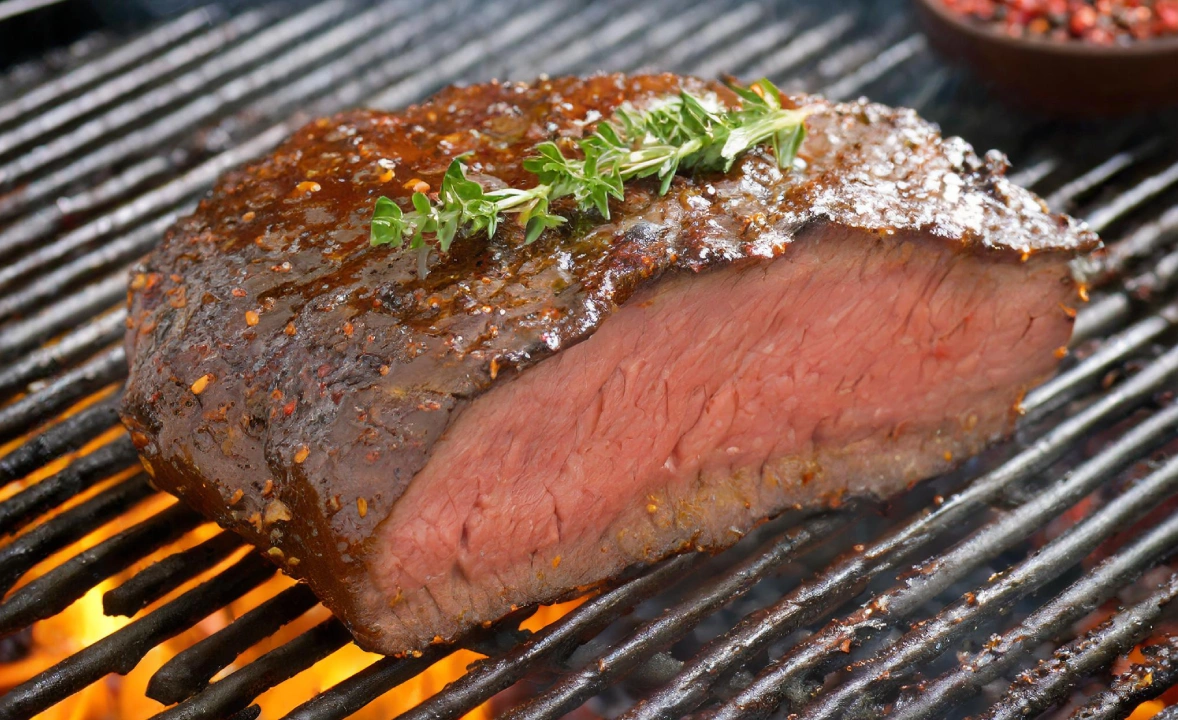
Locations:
1032 581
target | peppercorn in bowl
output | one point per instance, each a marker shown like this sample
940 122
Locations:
1064 57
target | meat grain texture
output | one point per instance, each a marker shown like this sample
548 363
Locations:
429 452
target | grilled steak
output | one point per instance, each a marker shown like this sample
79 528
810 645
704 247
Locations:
429 451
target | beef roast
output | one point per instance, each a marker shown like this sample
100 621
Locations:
428 452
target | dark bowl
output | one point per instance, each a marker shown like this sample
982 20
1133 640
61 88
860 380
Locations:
1072 78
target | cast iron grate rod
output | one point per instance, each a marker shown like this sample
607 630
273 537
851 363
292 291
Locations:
115 63
1062 197
701 23
67 436
58 588
78 344
190 670
1086 374
1054 619
112 257
1142 682
167 574
80 475
21 337
1055 678
17 557
122 650
50 121
47 256
105 368
1115 308
897 661
271 92
1143 192
238 690
114 121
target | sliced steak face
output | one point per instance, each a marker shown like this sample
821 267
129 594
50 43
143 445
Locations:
524 420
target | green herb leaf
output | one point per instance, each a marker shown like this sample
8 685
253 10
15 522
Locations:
386 227
680 133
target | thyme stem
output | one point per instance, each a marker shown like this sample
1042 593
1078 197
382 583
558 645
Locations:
680 133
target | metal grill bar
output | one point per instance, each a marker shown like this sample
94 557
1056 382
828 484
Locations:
863 691
253 712
1100 175
1143 682
239 689
123 649
30 74
77 345
162 577
424 72
365 686
855 53
183 120
1050 621
119 59
261 45
23 553
115 255
56 489
1054 679
806 45
190 671
615 29
1147 190
57 589
1143 242
700 23
754 42
49 121
62 315
66 437
44 221
95 374
163 198
882 64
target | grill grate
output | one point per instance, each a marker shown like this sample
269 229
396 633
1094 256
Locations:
99 157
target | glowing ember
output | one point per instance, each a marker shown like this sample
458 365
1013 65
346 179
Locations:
124 698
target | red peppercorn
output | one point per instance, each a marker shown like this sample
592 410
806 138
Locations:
1103 22
1082 21
1167 14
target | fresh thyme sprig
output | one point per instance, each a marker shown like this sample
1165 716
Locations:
680 133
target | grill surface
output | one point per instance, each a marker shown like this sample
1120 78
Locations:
950 601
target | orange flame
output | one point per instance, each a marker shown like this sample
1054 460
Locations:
123 697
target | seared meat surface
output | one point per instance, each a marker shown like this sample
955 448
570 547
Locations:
429 451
